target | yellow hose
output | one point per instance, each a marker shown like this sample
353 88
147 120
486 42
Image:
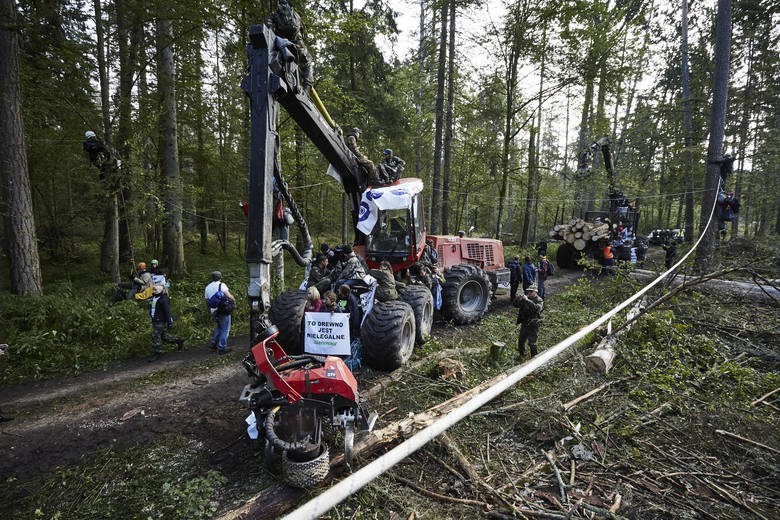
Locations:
321 107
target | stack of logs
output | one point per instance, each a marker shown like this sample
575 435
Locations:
578 232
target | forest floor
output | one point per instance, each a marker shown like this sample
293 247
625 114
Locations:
167 439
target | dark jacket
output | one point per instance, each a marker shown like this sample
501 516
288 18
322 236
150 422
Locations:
351 305
529 310
160 310
385 290
316 275
515 271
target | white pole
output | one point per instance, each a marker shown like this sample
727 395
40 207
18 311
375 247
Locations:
324 502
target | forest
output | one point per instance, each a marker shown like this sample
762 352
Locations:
493 121
493 105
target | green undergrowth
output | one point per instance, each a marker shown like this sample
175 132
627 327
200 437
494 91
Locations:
78 327
167 480
677 370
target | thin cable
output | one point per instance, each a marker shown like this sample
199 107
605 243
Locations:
324 502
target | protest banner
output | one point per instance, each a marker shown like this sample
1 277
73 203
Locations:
327 334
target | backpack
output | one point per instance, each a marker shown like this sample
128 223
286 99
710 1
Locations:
550 268
144 294
220 302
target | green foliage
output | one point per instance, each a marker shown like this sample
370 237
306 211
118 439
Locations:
162 482
76 327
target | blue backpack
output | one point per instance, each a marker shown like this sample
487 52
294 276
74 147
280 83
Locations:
222 303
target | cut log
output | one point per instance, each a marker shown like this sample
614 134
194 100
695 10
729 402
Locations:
601 360
579 244
570 238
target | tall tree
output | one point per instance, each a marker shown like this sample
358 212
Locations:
173 240
436 209
706 250
687 123
109 251
447 164
22 248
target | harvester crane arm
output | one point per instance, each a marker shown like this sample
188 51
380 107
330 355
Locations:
273 80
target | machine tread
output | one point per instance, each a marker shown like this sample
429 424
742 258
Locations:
388 335
287 312
420 299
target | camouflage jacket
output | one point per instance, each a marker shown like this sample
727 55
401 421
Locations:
529 310
352 269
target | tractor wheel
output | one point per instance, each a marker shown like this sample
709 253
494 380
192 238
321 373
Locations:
465 294
388 335
306 475
420 299
567 256
286 313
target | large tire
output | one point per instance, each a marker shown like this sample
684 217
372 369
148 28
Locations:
306 475
567 256
287 312
387 335
465 294
420 300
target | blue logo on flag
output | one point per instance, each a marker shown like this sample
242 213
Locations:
364 212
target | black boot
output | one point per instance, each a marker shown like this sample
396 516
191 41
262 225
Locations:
179 344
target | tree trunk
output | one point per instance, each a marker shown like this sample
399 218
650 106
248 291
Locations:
530 188
126 79
109 249
418 167
445 196
437 145
687 126
744 125
173 242
706 250
22 244
580 184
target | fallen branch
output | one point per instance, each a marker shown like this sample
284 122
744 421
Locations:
606 513
437 496
745 439
574 402
765 396
396 375
561 485
446 442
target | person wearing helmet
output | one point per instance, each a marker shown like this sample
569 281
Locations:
364 162
94 147
142 279
155 269
529 313
392 165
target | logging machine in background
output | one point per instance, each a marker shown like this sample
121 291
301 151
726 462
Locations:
617 225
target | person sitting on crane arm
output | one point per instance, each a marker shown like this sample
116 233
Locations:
287 23
372 175
393 165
